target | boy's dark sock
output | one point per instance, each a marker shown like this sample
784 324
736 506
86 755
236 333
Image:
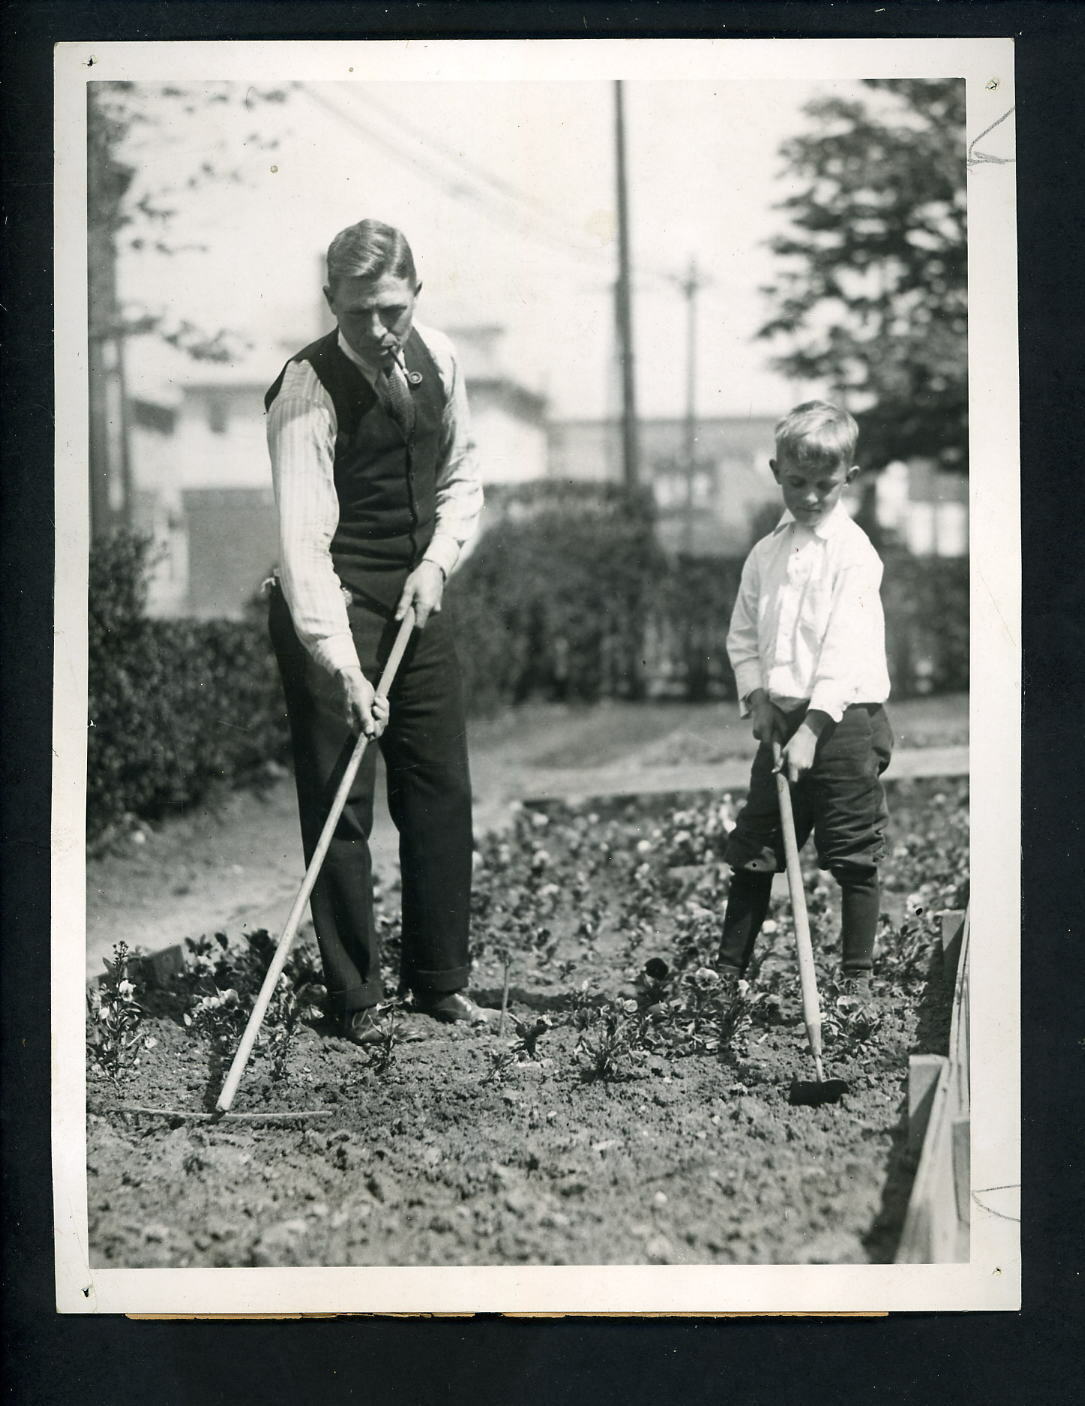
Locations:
747 906
861 902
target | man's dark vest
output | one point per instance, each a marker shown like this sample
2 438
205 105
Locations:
386 483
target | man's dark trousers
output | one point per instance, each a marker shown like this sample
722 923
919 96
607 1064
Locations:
429 799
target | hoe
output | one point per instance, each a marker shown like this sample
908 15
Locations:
810 1092
282 949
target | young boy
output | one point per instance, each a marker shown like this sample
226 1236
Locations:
807 644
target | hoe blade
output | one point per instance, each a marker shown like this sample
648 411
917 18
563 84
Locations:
812 1093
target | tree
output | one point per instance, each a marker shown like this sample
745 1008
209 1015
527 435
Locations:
135 211
872 291
123 210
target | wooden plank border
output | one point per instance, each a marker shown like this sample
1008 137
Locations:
936 1225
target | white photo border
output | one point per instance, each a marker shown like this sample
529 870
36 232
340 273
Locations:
991 1280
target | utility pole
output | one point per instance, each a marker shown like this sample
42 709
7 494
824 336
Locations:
691 285
110 466
623 304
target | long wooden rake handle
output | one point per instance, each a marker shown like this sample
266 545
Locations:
282 949
811 1007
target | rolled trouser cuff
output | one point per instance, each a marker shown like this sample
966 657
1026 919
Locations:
437 983
356 998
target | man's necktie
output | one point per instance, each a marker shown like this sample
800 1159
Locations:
397 398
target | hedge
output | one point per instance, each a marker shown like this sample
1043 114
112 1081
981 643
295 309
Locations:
555 596
566 596
176 707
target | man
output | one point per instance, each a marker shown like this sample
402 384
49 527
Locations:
377 489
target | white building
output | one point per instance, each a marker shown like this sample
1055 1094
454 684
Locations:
202 484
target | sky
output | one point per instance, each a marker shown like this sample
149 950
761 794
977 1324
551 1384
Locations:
507 194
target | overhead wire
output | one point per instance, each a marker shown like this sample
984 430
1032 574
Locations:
465 179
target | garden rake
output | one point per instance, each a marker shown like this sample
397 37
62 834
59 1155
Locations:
812 1092
282 950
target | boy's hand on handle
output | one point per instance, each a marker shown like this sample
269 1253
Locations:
423 589
798 756
363 709
767 723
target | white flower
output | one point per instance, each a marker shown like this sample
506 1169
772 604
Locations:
769 926
644 846
539 820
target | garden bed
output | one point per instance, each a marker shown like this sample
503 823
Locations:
622 1117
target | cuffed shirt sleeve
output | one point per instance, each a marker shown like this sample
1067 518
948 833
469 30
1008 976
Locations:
742 637
301 441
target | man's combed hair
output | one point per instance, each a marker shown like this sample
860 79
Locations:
370 249
817 433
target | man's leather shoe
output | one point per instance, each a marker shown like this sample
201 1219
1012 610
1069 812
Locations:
455 1006
362 1027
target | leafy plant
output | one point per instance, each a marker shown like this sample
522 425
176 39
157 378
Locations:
528 1035
383 1051
219 1016
221 982
281 1022
502 1060
115 1018
847 1021
618 1039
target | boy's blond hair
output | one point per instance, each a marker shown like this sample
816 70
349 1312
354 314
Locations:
817 432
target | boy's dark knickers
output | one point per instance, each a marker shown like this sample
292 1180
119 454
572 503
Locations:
841 799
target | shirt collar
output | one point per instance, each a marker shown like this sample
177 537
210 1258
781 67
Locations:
369 372
826 528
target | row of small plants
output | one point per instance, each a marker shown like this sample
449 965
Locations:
615 917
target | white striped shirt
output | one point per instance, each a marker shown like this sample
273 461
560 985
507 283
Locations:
808 622
301 429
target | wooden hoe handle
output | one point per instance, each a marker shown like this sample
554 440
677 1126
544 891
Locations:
282 950
811 1009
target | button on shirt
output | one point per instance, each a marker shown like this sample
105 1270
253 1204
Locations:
808 626
301 429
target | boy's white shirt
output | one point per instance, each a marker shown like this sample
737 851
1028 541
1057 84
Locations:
808 625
